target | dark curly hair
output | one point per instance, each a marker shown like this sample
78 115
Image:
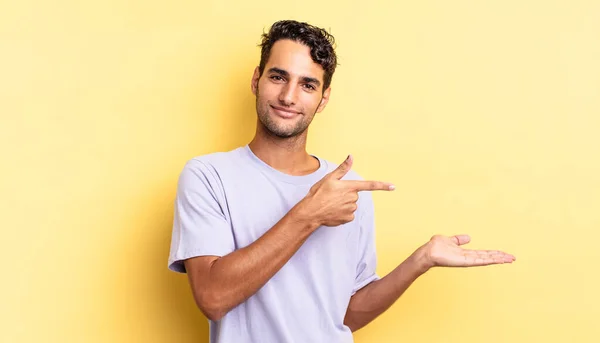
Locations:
320 42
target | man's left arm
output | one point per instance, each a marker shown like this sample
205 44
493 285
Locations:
376 297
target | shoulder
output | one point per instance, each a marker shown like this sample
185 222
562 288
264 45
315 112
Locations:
209 166
217 159
214 161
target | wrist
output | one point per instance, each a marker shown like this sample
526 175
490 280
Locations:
422 260
301 213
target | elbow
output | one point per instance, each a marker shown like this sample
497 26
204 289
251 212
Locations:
350 326
212 299
214 316
211 304
353 326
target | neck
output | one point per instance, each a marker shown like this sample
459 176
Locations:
288 155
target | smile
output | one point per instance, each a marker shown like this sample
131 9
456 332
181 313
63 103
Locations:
284 112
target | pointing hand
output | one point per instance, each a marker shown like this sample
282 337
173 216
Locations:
332 201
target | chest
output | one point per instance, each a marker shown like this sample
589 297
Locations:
254 208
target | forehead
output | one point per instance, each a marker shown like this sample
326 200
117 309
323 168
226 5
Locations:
294 58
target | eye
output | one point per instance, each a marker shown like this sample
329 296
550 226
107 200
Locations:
276 78
310 87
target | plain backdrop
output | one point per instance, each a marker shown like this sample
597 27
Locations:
485 114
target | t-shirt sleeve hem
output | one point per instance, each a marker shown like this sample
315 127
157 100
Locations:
363 283
176 263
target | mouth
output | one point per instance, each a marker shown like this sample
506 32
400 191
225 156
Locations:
284 112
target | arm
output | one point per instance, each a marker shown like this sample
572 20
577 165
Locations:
375 298
221 283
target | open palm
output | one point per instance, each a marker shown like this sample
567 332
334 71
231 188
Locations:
447 252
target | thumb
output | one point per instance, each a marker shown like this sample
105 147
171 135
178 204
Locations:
343 168
461 239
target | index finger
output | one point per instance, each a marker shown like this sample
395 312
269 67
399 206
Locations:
360 185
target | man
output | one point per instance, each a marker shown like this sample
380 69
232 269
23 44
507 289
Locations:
278 244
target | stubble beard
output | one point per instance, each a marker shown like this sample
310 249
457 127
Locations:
280 131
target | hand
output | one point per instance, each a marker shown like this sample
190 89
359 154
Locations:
332 201
445 251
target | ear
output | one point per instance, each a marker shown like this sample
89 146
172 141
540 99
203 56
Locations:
324 100
254 82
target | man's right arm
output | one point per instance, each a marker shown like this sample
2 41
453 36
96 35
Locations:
221 283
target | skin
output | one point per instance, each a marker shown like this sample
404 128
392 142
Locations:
281 142
289 94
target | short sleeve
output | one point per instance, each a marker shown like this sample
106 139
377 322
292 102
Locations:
200 227
367 259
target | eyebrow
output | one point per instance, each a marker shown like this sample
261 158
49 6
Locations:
306 79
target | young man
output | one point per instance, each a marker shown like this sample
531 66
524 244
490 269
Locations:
278 244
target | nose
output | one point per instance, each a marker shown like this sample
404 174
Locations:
287 96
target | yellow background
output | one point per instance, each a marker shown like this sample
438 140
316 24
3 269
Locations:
485 114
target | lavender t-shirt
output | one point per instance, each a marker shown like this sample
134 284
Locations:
227 200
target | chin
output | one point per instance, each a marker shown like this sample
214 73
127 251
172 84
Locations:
281 127
281 132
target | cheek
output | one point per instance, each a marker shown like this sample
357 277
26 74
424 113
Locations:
266 89
312 102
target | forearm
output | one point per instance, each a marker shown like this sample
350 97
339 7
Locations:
237 276
375 298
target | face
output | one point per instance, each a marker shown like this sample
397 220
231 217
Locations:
290 91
